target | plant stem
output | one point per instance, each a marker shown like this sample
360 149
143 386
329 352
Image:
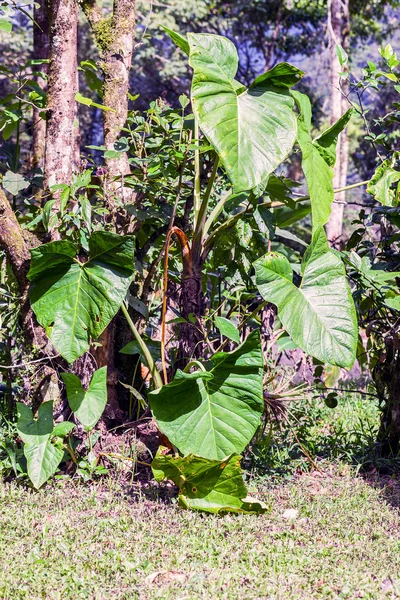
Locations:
197 187
194 363
216 211
198 234
146 353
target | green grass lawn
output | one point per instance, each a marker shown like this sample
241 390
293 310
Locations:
100 541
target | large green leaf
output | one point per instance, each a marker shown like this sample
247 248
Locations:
319 316
318 158
76 300
215 413
209 485
252 130
385 183
42 456
87 405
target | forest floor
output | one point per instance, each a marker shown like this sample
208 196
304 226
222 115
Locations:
328 532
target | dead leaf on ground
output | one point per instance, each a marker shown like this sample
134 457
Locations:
165 577
290 514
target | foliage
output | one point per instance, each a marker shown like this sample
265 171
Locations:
211 174
42 441
87 405
196 410
319 315
214 486
76 300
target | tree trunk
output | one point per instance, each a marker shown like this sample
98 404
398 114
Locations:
41 46
17 252
192 305
62 87
338 31
386 376
114 36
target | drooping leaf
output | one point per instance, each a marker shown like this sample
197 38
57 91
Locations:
252 130
228 329
87 405
208 485
282 75
326 142
385 183
75 301
214 413
318 157
319 315
14 182
42 456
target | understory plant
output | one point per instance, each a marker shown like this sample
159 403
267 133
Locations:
213 181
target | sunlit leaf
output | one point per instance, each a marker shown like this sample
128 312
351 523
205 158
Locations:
208 485
319 316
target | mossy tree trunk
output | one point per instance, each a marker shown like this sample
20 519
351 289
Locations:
114 35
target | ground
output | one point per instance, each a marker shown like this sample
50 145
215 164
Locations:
328 533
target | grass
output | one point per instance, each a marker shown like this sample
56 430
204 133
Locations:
103 541
94 542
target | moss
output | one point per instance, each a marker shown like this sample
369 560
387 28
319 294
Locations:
104 34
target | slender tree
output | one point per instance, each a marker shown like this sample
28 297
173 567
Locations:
338 34
41 45
62 87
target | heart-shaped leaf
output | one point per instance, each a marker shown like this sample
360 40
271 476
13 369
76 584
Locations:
252 130
216 413
208 485
42 456
319 316
73 300
88 406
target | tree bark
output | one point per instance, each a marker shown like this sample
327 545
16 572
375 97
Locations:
386 376
62 87
41 48
17 252
338 32
114 36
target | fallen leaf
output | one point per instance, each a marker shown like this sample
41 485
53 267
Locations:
165 577
290 513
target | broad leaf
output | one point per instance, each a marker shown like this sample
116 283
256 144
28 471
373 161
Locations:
75 301
87 405
216 413
208 485
228 329
42 461
319 316
42 456
252 130
385 183
318 158
14 182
